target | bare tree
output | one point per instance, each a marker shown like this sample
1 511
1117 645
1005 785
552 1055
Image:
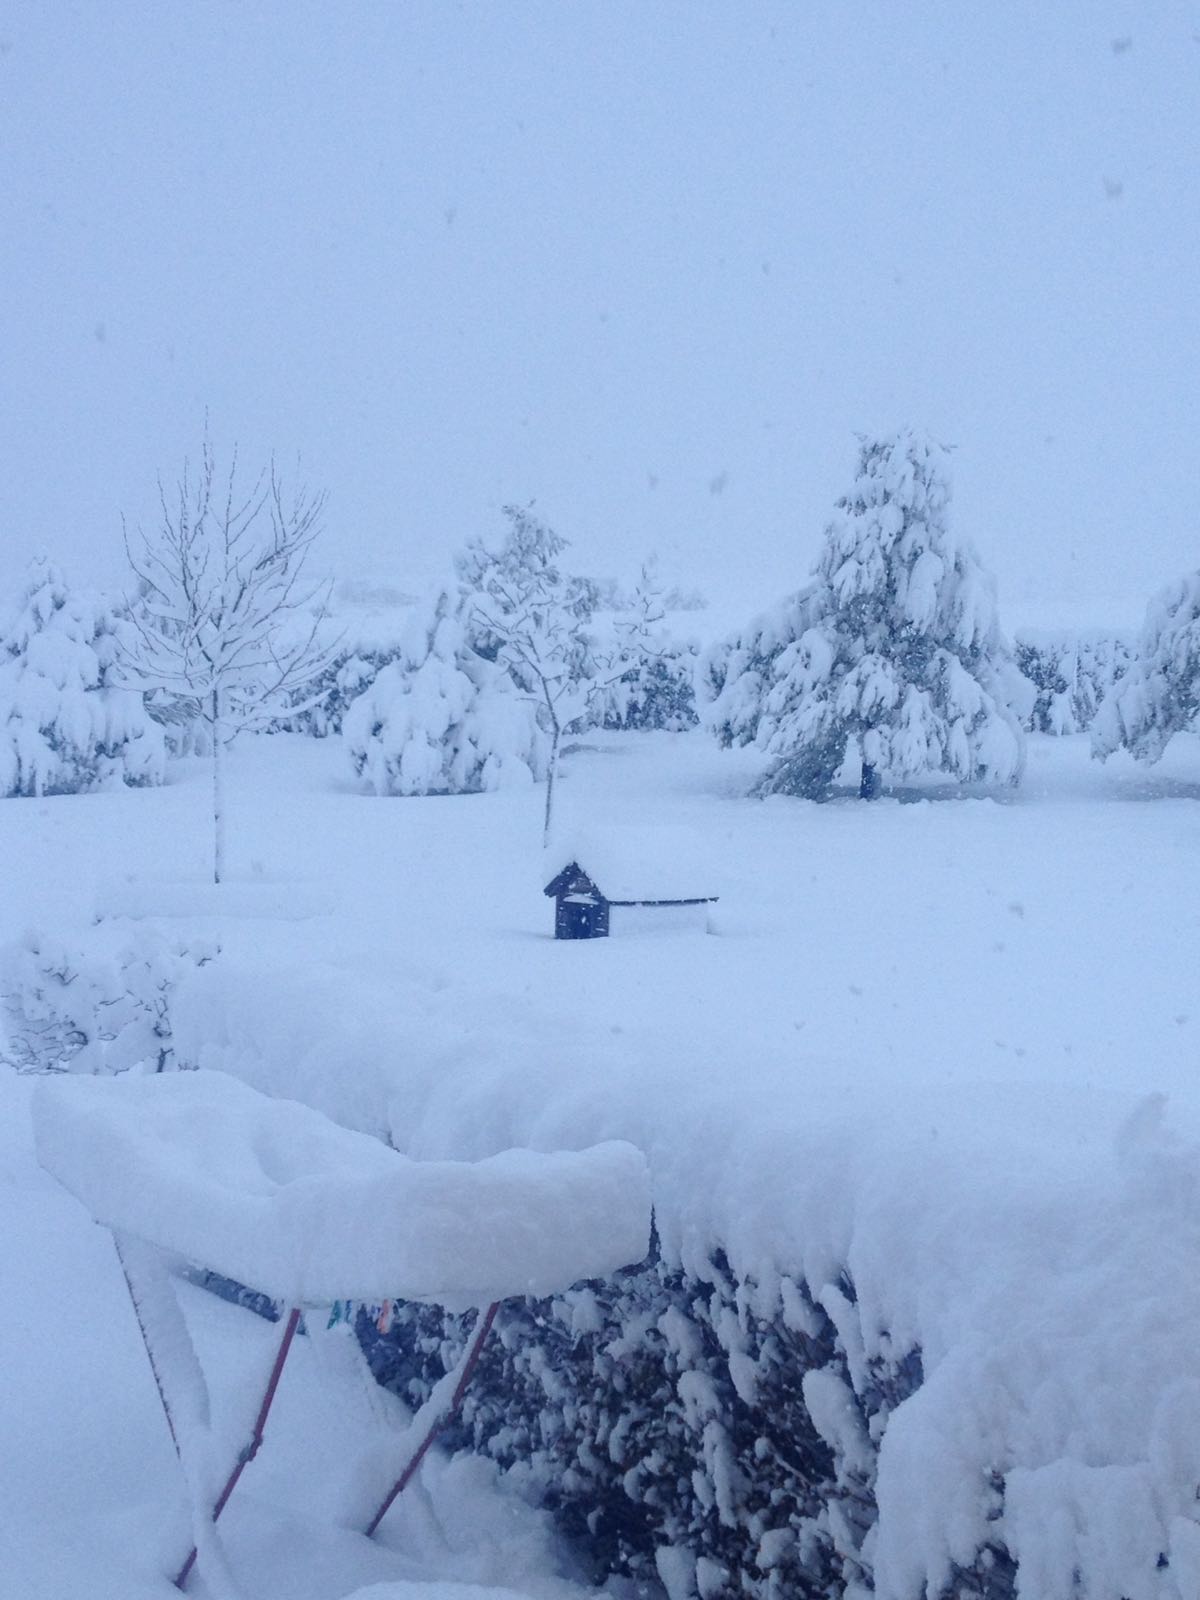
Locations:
223 619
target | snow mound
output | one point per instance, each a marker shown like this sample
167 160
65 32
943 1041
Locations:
272 1193
275 902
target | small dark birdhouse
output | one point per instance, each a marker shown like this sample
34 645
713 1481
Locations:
644 893
581 911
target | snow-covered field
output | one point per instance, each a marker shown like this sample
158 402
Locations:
921 1043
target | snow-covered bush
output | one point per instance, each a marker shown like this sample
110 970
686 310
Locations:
99 1005
356 643
677 1435
1071 674
441 719
658 691
1159 696
326 700
894 649
668 1413
67 725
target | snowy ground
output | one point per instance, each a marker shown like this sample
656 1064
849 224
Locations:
909 1046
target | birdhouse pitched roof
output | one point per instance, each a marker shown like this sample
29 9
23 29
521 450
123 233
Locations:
632 865
571 880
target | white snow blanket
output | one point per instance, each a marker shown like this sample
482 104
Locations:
273 1194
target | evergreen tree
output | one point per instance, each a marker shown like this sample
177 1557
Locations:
657 687
1160 695
894 648
1071 676
67 725
442 719
736 674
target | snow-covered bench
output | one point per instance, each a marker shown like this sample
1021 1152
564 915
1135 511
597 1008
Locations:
197 1168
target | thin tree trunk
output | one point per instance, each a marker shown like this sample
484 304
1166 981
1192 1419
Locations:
218 773
551 774
868 786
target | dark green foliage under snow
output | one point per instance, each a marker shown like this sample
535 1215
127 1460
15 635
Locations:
1071 675
665 1421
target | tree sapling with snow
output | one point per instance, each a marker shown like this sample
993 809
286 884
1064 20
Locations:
533 618
221 589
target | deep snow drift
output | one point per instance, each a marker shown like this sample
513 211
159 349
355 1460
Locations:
922 1044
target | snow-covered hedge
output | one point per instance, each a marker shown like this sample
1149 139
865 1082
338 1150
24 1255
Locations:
67 724
101 1003
978 1325
1072 674
676 1433
441 719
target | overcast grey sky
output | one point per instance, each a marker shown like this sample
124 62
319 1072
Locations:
651 265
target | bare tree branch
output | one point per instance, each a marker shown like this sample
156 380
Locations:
223 619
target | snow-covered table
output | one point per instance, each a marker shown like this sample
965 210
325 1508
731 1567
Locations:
197 1168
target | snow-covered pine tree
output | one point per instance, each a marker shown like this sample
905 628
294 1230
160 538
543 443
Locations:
894 649
1160 694
66 723
736 674
442 719
657 689
1072 674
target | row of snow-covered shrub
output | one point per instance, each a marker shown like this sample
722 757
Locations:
432 702
491 674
